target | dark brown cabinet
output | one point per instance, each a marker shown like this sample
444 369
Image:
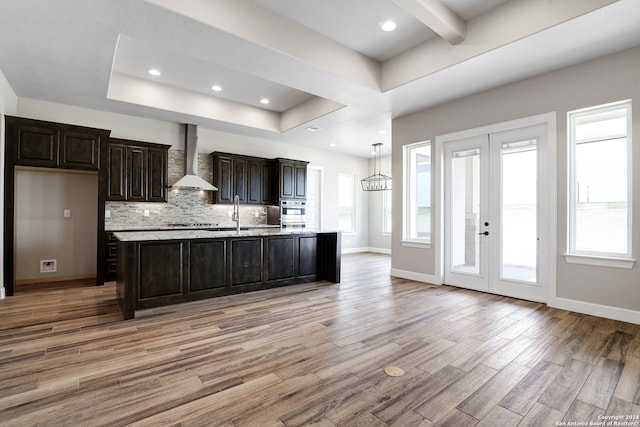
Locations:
256 180
247 177
155 273
136 171
110 257
55 145
290 179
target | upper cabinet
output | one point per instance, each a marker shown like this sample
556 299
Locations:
290 179
258 181
247 177
54 145
136 171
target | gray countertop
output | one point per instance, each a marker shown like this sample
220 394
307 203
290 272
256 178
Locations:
139 236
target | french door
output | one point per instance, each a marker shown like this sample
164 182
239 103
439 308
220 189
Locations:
492 213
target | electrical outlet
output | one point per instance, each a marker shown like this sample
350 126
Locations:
256 214
67 213
107 213
230 213
146 212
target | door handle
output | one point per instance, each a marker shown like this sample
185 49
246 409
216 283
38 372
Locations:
486 233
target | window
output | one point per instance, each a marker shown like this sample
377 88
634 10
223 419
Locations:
600 181
386 212
417 192
346 203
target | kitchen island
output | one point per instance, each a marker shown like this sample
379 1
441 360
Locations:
158 268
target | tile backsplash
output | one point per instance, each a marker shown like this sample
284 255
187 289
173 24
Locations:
183 206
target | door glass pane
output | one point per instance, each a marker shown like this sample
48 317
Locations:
465 211
519 211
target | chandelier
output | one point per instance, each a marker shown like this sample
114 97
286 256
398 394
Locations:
377 181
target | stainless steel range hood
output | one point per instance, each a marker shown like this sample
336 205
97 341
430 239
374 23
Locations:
191 178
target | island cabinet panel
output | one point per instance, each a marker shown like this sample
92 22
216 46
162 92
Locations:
307 255
154 273
207 265
161 269
280 254
246 261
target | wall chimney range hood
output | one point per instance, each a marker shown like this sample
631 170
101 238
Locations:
191 179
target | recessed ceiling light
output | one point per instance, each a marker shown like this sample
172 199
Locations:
216 88
332 145
388 26
382 132
264 101
154 72
314 128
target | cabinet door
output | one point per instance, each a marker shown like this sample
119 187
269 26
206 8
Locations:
36 145
207 265
300 186
157 175
79 150
266 194
116 172
240 179
246 261
287 181
254 182
222 176
161 269
136 174
280 258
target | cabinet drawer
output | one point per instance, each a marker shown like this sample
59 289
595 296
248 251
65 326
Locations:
112 251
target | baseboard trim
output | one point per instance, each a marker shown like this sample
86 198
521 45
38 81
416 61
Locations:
609 312
412 275
380 251
54 279
366 249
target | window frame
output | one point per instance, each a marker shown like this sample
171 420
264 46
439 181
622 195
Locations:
607 259
409 182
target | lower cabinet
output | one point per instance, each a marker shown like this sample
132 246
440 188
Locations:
157 273
207 265
110 257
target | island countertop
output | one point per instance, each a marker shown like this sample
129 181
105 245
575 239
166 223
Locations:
141 236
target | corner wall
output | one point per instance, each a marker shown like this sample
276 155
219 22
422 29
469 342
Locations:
602 291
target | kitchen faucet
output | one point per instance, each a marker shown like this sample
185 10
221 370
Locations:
236 212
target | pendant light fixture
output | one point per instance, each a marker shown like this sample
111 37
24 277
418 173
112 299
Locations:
377 181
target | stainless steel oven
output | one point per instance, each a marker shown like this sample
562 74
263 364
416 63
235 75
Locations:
292 214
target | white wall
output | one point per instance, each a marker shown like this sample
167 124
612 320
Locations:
379 241
598 290
8 105
130 127
44 233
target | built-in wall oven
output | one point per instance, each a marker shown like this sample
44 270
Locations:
292 214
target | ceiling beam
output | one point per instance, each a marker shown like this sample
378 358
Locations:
435 15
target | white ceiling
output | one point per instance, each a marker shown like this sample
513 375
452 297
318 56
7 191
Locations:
321 63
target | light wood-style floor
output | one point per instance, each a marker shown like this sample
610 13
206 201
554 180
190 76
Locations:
313 354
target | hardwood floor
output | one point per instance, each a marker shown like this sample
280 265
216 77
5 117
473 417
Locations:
314 354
